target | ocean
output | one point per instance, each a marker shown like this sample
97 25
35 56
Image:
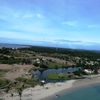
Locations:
91 92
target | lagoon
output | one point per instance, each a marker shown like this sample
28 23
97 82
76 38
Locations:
45 73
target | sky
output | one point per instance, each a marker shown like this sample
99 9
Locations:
50 21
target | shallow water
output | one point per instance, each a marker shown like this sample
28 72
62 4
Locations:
44 74
91 92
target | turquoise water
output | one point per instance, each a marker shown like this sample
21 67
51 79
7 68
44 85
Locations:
86 93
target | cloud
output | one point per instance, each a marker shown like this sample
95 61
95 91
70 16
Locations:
39 15
62 41
15 35
16 15
28 16
70 23
94 26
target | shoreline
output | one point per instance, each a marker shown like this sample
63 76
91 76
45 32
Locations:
51 90
77 84
40 92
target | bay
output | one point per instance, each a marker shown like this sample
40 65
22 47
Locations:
91 92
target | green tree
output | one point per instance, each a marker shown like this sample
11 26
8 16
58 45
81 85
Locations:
20 90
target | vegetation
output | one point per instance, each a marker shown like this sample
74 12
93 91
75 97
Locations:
43 58
4 83
57 77
81 58
3 72
27 82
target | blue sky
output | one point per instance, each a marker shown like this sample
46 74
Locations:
50 20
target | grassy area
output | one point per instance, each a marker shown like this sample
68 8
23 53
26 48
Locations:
55 65
57 77
3 72
4 82
27 82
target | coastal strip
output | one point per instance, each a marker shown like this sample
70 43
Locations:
53 89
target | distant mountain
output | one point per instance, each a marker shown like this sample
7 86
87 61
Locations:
13 45
55 43
78 44
15 41
69 44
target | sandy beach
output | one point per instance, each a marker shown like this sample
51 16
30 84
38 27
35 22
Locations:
52 89
40 92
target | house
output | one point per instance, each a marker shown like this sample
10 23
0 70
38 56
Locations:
88 71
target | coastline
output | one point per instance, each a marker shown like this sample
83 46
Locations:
77 84
40 92
51 90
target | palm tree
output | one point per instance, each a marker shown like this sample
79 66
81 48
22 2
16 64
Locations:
7 89
20 90
12 95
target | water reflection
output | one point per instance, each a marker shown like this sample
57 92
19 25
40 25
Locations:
44 74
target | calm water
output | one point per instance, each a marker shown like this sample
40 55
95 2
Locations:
44 74
88 93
